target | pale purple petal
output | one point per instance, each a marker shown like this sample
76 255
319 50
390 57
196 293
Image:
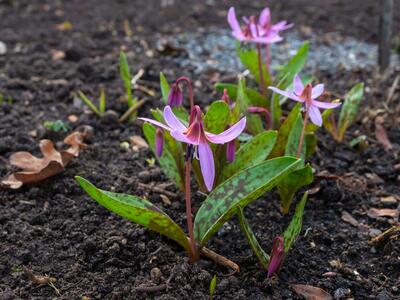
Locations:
246 20
234 23
156 123
207 164
325 105
179 136
172 120
282 25
298 86
315 115
228 135
317 91
230 151
268 38
265 17
290 95
253 29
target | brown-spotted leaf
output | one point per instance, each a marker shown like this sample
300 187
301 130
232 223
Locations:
311 292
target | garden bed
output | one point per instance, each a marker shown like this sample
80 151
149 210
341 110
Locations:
54 228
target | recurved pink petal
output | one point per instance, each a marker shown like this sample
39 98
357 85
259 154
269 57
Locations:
298 86
159 124
317 91
282 25
234 23
265 17
290 95
228 135
207 164
325 105
172 120
268 38
315 115
179 136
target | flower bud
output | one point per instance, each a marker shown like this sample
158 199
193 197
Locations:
159 141
230 151
277 253
175 96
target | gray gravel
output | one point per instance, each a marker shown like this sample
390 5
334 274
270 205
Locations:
214 49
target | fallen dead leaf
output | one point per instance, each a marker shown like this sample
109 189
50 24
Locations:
383 212
53 162
381 136
389 199
348 218
139 142
311 292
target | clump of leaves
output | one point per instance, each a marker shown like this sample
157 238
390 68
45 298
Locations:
98 110
56 126
53 162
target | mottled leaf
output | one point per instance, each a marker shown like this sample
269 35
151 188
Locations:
252 240
165 88
253 152
288 187
294 228
137 210
217 117
239 190
350 108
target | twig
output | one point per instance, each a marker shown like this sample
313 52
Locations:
41 280
158 190
160 287
392 89
131 110
219 259
385 235
144 89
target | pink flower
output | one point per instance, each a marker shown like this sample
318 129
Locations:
196 135
277 253
258 31
231 151
307 95
159 141
175 96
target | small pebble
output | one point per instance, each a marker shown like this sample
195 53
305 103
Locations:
3 48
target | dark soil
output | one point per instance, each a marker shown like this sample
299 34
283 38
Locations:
54 228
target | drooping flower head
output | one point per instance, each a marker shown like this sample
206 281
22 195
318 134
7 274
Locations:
307 95
175 96
277 253
195 135
159 141
255 30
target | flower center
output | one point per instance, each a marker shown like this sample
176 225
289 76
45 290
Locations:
306 93
195 131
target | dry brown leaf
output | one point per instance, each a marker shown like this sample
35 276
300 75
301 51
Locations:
53 162
381 136
310 292
383 212
348 218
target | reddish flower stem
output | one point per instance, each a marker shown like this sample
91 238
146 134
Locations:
267 57
263 87
303 131
189 210
190 88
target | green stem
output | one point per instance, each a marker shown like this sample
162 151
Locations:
263 87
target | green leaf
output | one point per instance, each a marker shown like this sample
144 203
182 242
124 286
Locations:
294 66
288 187
89 103
350 108
165 88
252 240
213 284
166 161
293 140
242 101
239 190
102 103
249 59
126 77
294 228
137 210
284 132
217 117
311 144
253 152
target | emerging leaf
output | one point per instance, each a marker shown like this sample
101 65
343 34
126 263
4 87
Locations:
126 77
252 240
350 108
165 88
213 284
137 210
239 190
294 228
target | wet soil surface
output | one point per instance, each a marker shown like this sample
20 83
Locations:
53 228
